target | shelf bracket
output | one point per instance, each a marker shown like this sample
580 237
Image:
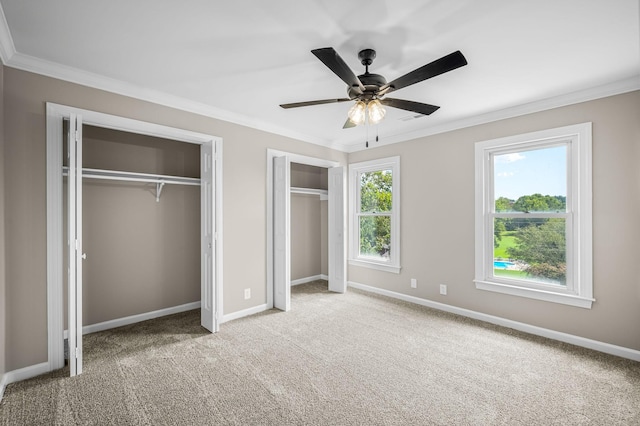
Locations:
159 186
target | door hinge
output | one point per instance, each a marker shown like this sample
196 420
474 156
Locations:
76 244
215 236
77 136
77 352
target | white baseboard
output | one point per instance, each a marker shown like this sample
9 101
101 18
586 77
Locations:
244 313
119 322
527 328
309 279
22 374
3 384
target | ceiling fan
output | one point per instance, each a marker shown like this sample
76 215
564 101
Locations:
369 90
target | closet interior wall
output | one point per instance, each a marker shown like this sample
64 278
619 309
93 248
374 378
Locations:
142 255
309 223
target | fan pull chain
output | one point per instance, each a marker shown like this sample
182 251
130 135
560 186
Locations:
367 126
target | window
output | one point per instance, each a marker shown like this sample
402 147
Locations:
374 214
533 215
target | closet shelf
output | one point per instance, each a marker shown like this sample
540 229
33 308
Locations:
159 180
323 193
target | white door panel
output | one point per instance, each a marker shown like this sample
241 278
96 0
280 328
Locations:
74 242
207 229
281 233
336 228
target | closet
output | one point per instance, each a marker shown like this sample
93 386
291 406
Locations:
309 222
134 225
142 238
279 241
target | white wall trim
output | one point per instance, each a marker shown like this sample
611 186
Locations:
245 313
527 328
393 264
3 385
577 140
132 319
22 374
7 48
46 68
309 279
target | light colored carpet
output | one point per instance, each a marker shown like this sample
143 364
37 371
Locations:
353 359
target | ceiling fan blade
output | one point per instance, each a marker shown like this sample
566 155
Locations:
348 124
439 66
334 62
310 103
418 107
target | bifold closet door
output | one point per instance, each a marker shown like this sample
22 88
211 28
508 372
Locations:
74 241
336 229
207 244
281 233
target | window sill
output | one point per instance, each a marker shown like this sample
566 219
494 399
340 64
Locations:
375 265
548 296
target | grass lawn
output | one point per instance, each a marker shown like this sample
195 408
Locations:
509 273
508 240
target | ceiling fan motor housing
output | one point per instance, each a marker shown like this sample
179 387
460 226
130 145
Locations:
371 82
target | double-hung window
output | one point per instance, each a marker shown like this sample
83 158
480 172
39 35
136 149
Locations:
533 215
374 214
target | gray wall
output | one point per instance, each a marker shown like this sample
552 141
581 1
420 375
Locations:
244 192
437 221
142 255
437 212
305 176
306 242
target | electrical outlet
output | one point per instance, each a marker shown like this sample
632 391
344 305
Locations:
443 289
414 283
247 293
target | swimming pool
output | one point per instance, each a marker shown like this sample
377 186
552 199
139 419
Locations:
502 264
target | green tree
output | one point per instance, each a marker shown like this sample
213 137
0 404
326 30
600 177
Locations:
543 247
375 191
539 203
375 197
503 204
498 228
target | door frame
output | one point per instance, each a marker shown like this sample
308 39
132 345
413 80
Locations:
293 158
55 115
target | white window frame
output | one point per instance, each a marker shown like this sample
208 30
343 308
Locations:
355 169
579 288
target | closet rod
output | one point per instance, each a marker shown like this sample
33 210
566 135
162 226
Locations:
310 191
134 177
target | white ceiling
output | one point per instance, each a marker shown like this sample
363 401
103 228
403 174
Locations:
239 60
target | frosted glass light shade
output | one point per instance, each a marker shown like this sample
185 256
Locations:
376 111
357 113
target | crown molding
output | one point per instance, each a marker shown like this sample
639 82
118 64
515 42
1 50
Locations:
611 89
100 82
7 48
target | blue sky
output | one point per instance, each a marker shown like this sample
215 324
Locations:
542 171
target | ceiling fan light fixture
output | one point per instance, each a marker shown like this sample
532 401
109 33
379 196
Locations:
357 113
376 111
